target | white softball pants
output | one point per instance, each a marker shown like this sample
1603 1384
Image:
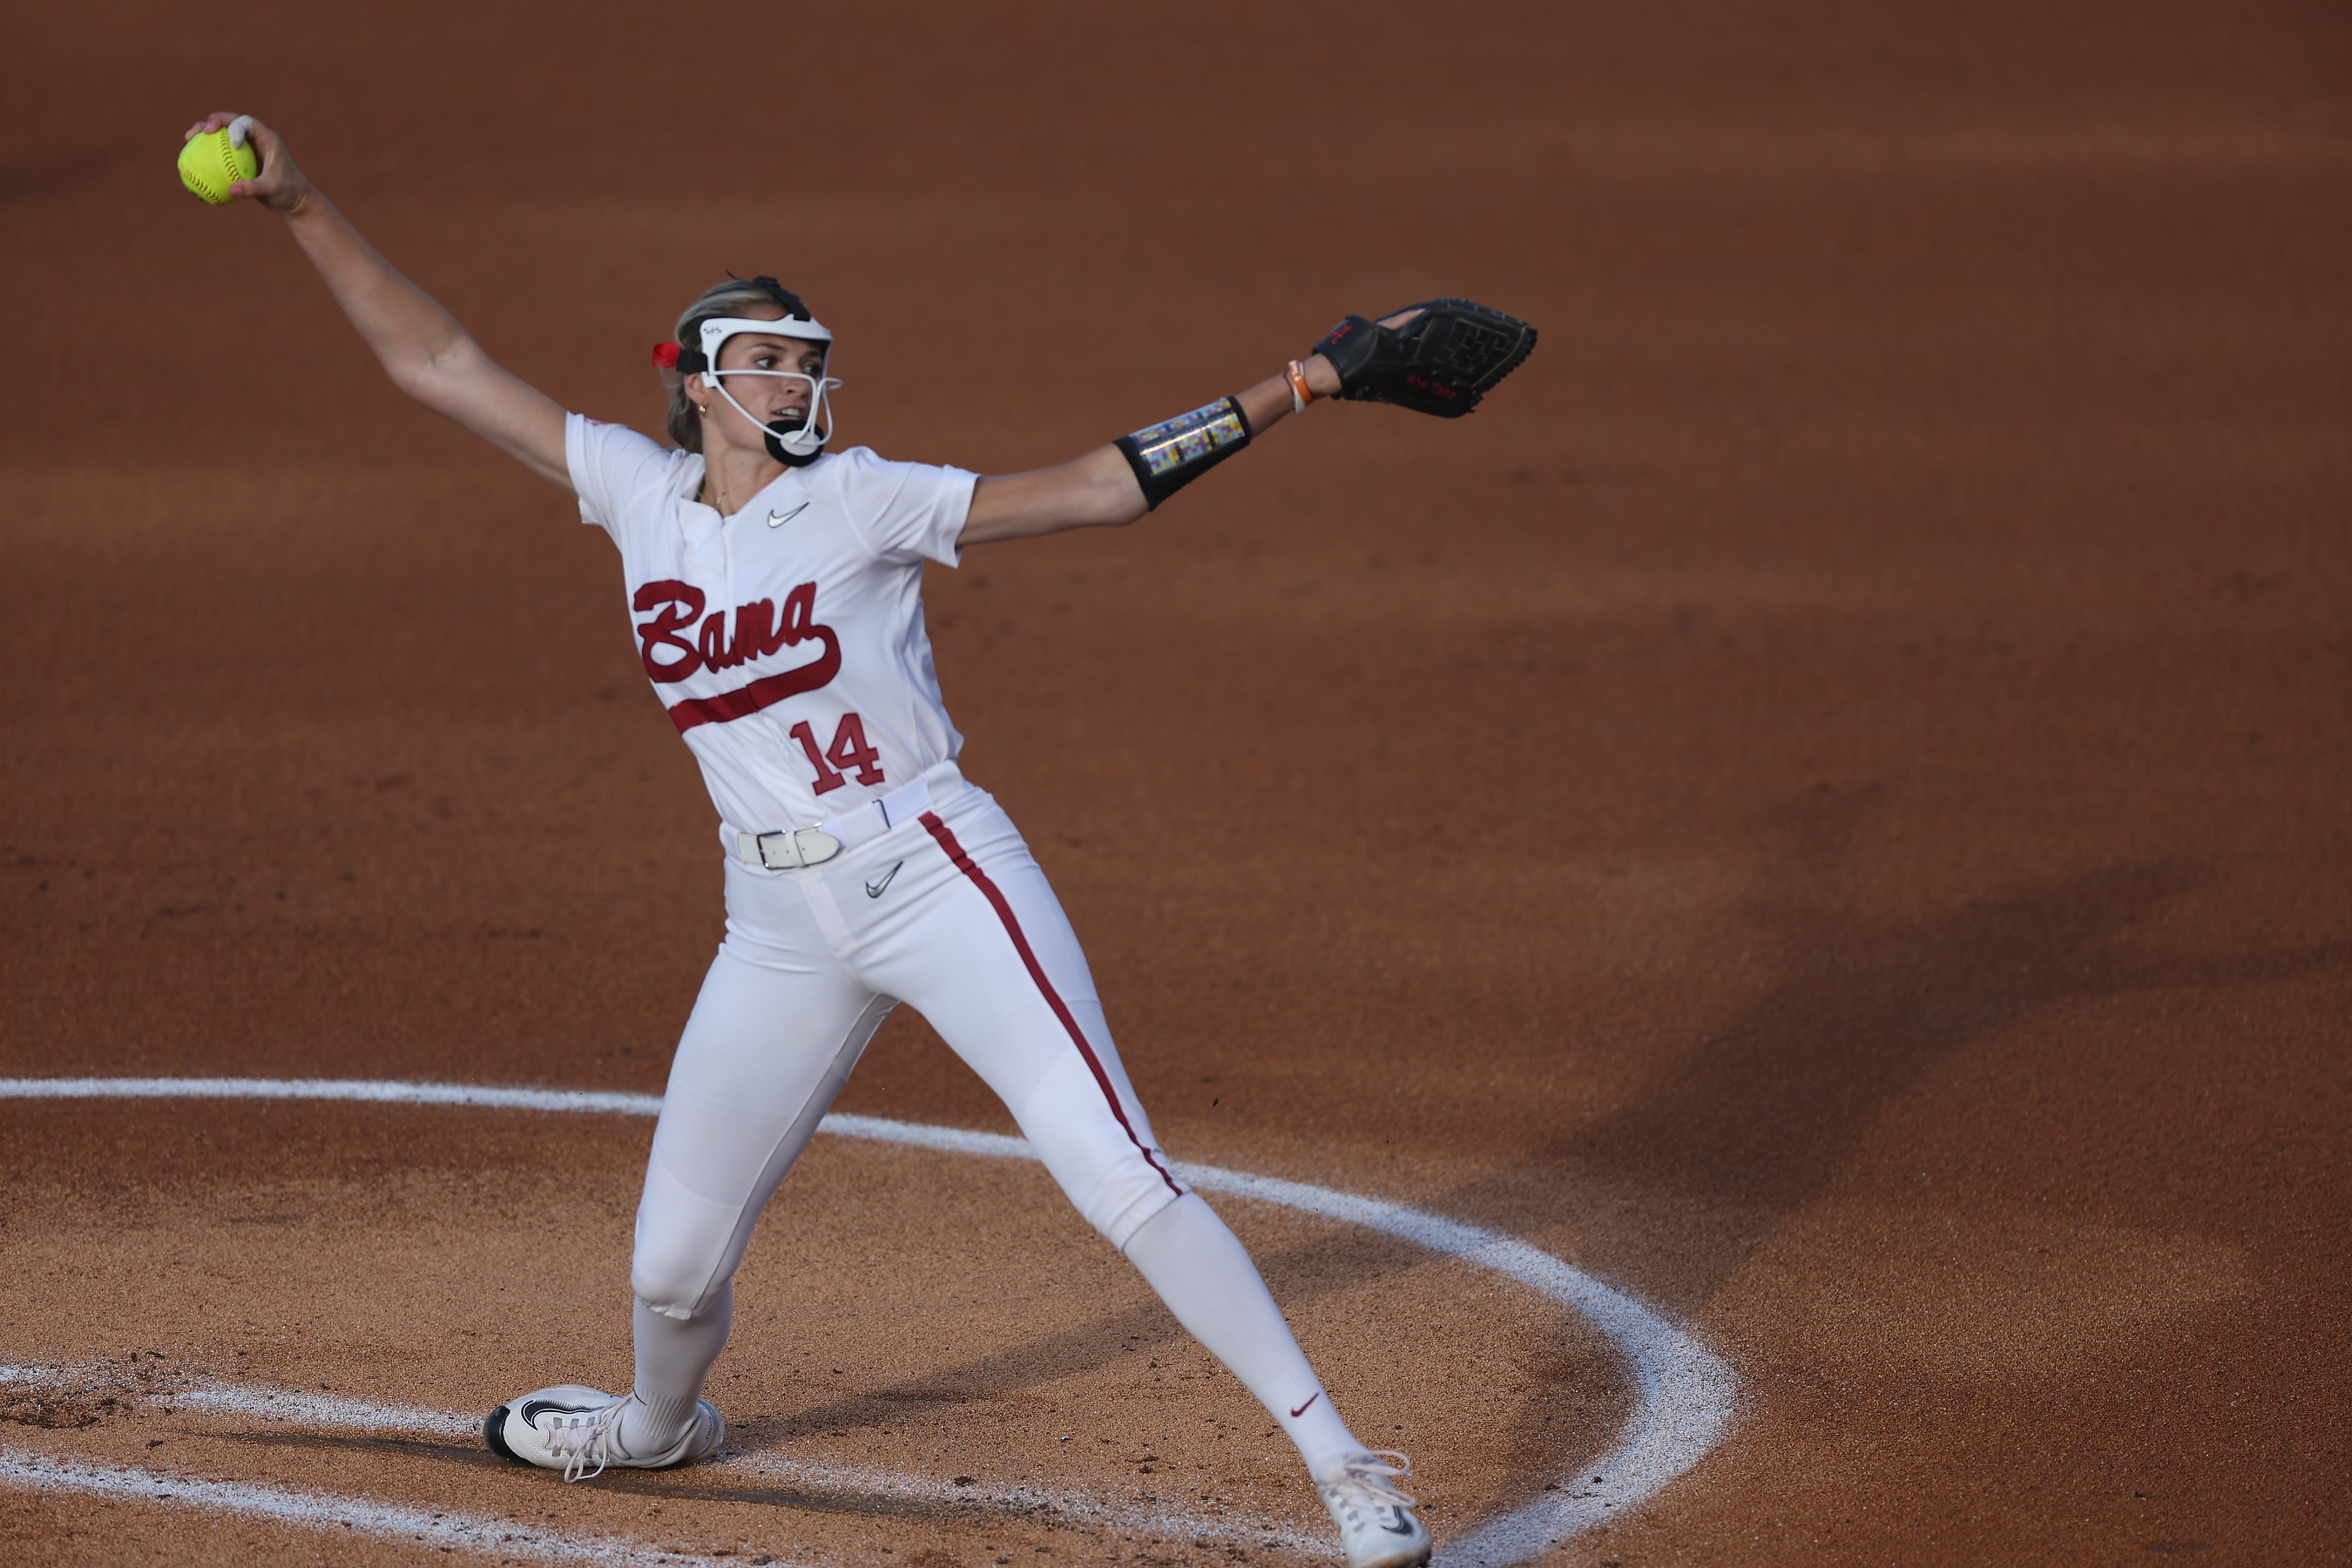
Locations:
950 913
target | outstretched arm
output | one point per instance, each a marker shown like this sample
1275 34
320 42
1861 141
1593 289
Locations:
1099 489
421 346
1438 357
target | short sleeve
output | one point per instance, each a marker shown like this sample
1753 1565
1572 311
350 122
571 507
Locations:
907 511
615 471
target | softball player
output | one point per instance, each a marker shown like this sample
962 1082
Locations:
774 588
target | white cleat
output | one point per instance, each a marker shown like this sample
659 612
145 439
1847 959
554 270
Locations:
1376 1520
577 1430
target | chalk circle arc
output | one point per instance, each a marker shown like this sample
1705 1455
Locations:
1683 1394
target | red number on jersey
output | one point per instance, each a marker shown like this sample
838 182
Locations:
849 751
826 779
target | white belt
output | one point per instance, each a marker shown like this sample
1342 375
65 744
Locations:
790 848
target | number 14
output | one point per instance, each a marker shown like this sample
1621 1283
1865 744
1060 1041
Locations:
848 753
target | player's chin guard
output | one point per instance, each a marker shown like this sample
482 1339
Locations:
1170 455
794 446
1441 361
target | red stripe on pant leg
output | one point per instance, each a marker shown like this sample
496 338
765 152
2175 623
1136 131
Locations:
971 868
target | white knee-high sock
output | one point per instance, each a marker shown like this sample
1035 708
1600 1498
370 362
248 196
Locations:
1205 1275
673 1355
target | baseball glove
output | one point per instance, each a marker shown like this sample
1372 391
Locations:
1441 361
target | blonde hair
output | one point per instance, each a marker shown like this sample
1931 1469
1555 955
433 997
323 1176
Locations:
728 299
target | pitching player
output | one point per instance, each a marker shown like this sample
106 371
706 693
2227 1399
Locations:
774 591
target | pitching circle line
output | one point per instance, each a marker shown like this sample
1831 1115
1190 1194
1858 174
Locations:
1684 1394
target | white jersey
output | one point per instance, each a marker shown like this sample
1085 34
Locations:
786 641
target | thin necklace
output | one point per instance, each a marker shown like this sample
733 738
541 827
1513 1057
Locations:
710 485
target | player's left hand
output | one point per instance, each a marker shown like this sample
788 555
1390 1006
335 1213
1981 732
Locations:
280 187
1440 357
1323 377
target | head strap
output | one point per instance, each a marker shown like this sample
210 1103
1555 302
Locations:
791 302
688 361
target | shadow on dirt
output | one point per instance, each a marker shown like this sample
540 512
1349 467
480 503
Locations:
1756 1117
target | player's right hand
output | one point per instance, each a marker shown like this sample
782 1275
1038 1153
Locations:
280 187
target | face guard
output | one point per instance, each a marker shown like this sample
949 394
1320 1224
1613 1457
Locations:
786 443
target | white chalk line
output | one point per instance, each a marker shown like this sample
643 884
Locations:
179 1391
486 1532
182 1390
1684 1395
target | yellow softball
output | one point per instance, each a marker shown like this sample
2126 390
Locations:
211 162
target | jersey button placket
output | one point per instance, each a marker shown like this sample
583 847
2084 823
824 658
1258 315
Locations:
770 720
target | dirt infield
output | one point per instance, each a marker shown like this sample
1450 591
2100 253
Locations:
1822 806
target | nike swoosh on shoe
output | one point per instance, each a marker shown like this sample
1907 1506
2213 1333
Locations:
534 1409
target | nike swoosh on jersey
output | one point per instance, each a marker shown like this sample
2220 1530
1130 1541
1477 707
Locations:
778 520
875 889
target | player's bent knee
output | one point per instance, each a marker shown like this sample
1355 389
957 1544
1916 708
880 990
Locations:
1147 1207
677 1282
686 1249
1118 1184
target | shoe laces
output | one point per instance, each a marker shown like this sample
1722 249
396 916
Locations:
1366 1480
580 1441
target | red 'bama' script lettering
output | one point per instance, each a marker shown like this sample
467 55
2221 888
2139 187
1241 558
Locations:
680 604
756 635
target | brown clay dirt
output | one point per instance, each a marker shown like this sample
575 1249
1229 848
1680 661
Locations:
1825 805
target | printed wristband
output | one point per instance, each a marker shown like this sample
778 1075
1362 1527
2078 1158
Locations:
1170 455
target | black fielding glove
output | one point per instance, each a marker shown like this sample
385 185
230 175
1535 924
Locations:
1441 361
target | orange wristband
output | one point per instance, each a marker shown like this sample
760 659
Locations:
1295 373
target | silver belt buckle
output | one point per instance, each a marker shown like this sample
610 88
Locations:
799 846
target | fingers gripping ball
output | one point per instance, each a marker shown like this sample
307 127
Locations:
212 163
1441 361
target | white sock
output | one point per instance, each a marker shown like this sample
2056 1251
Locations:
1205 1275
673 1355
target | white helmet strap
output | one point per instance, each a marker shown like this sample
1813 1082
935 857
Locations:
813 431
814 428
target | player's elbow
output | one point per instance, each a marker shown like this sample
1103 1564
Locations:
413 376
1098 491
436 377
419 375
1117 512
1115 503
